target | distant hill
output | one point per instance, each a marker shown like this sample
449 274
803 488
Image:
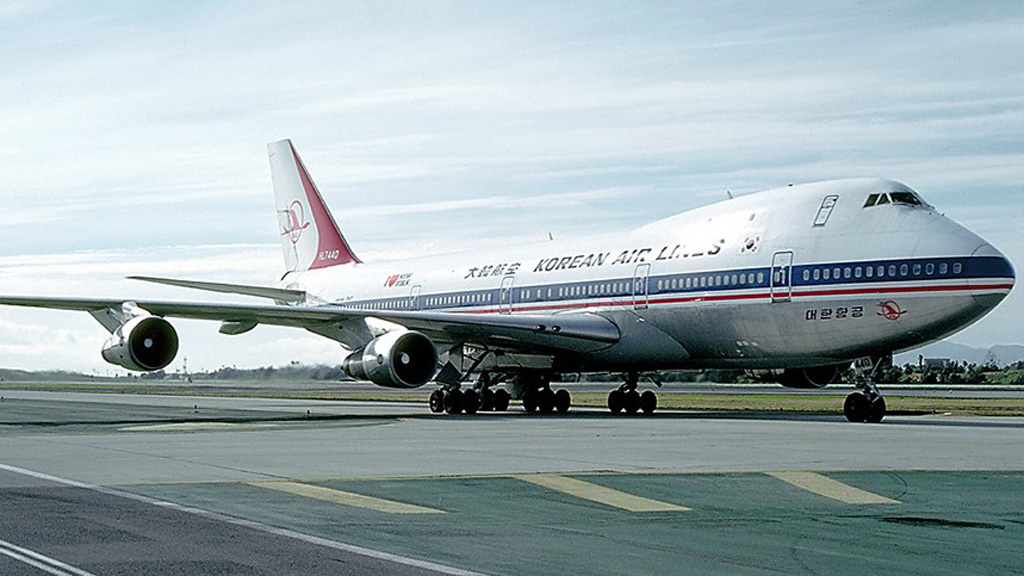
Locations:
11 375
1002 355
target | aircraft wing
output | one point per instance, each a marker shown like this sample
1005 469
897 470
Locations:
575 332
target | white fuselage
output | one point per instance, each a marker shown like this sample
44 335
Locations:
798 276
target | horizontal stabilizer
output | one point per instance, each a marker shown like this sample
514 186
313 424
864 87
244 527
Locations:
279 294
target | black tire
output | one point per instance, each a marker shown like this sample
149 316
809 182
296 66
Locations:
453 401
648 402
546 401
486 400
615 401
562 401
877 411
530 401
857 407
501 400
631 402
437 401
470 401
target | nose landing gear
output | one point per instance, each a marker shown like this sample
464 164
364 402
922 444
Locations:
866 405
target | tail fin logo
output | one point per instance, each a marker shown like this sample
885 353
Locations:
295 221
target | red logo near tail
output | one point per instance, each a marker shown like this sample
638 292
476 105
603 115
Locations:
296 215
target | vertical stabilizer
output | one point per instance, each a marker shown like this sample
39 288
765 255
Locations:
309 235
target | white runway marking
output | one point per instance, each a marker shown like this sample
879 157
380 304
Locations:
37 560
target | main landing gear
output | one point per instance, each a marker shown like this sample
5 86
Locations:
538 396
453 399
866 405
626 399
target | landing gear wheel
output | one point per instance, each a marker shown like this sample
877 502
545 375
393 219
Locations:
486 400
615 401
877 411
530 401
648 402
453 401
857 407
501 400
631 402
437 401
546 401
562 401
470 401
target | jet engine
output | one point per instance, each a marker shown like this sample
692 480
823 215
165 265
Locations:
810 377
145 343
400 359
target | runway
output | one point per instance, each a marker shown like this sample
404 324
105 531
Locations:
119 484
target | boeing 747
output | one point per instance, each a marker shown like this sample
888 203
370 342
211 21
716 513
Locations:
799 282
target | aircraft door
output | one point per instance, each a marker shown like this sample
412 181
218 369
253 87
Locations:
782 276
641 286
414 297
505 295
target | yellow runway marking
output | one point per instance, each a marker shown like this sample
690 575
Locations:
347 498
599 494
829 488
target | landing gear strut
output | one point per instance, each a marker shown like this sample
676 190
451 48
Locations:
866 405
626 399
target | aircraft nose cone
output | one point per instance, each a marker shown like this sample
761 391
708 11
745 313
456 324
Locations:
993 277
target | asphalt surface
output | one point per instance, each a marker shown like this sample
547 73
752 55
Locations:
117 484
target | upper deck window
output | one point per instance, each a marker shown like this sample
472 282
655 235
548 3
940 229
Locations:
904 198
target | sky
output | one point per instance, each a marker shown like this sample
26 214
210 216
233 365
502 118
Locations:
135 134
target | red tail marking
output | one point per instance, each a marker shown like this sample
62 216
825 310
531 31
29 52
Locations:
332 249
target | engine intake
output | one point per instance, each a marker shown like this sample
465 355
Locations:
400 359
810 377
144 343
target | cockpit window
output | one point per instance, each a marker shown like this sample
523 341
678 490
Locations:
904 198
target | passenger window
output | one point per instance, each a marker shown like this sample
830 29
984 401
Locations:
847 272
869 271
943 268
904 269
807 275
929 269
917 269
958 268
817 274
827 274
760 277
857 272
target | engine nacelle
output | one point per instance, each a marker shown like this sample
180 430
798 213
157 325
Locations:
810 377
399 359
144 343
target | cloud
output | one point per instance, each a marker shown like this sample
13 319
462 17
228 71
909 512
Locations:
135 132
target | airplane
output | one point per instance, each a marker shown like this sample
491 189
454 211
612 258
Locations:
798 282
